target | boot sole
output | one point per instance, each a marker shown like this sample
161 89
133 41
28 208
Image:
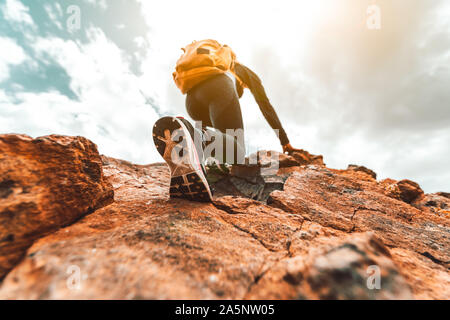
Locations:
171 136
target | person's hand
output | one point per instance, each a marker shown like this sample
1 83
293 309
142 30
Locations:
287 148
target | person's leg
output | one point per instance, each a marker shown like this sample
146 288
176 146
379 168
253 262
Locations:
226 117
196 109
199 113
224 114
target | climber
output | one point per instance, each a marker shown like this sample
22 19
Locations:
213 80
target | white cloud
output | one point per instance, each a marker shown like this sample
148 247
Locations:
10 54
3 99
110 111
15 11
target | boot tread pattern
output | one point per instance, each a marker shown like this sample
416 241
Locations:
186 182
190 187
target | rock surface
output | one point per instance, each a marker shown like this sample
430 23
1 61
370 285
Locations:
45 184
303 232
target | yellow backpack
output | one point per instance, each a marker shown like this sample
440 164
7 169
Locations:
200 61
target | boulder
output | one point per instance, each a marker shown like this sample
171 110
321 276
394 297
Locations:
45 184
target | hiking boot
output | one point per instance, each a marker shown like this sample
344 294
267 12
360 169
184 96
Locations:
173 140
199 148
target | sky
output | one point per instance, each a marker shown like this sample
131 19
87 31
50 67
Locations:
354 90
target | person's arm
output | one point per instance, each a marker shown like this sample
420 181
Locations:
252 81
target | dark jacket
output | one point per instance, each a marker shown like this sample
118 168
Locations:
252 82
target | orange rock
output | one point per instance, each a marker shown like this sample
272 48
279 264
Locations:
321 237
45 183
355 168
404 190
